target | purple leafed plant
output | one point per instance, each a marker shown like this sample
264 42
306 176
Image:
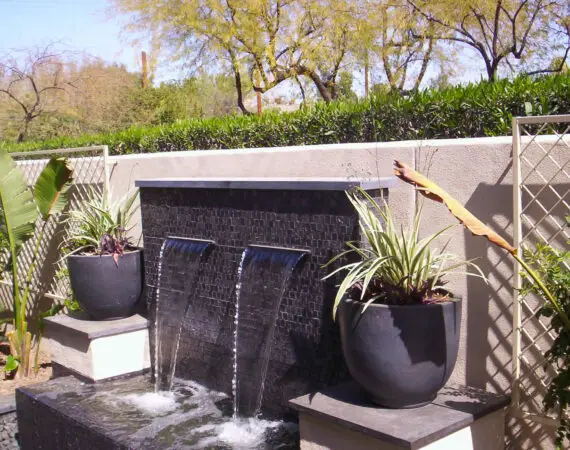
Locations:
100 227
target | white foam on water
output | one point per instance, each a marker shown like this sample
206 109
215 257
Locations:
239 434
244 433
153 403
169 409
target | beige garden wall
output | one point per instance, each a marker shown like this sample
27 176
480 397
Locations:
478 172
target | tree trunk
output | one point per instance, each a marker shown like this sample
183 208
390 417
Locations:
144 78
492 65
258 94
321 87
237 76
239 91
492 74
366 76
24 131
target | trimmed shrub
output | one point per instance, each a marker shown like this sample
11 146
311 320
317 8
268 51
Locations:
481 109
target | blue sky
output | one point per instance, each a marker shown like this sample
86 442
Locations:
79 25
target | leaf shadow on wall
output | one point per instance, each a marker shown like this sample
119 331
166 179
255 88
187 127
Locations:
489 308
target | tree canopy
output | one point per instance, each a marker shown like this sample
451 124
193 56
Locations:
263 43
231 50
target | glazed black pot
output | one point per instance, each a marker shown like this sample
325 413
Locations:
401 355
105 290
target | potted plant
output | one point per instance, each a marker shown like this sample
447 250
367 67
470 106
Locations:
399 324
105 268
545 272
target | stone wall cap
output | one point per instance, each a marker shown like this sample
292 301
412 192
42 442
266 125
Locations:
454 408
93 329
7 404
296 184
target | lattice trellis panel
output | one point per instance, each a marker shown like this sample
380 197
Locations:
90 176
541 166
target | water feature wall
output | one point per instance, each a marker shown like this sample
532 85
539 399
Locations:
300 351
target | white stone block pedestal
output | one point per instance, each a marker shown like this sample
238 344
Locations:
460 418
98 350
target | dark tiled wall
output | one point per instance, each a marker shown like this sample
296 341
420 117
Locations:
306 351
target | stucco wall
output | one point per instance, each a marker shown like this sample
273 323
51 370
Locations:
478 172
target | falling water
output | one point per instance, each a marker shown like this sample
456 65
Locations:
187 255
263 277
236 322
157 301
290 260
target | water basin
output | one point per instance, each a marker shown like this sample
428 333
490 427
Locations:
132 415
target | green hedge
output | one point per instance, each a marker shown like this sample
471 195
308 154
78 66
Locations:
481 109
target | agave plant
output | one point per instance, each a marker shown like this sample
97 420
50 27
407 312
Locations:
20 209
99 227
396 266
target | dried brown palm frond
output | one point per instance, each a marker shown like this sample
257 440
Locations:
432 191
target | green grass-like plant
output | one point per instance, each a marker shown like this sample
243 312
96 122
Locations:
545 273
394 266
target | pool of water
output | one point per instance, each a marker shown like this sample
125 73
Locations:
188 417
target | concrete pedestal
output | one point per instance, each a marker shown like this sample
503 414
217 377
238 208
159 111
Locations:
459 418
98 350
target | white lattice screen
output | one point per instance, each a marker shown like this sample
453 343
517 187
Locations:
541 155
90 174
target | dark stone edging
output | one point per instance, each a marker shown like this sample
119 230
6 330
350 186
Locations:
299 184
92 329
7 404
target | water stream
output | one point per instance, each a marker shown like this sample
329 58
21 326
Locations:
236 323
263 276
184 260
157 301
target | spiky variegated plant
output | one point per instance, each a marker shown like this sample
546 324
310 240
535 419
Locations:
395 266
20 209
99 226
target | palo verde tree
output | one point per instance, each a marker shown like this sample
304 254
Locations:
559 27
497 30
263 42
33 81
403 40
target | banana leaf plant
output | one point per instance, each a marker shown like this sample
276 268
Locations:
432 191
544 273
20 209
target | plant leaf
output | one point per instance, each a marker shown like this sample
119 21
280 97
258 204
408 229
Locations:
18 212
432 191
11 364
52 186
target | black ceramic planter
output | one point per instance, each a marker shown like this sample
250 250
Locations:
105 290
401 355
